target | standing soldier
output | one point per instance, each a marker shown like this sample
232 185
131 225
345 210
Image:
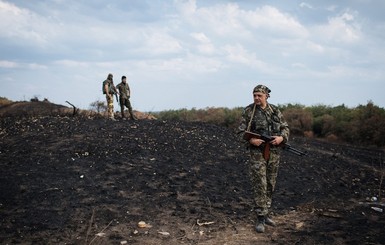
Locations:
264 118
124 98
109 90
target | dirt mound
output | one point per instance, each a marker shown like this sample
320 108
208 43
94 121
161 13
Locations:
71 180
46 108
36 108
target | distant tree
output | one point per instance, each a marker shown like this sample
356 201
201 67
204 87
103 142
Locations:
364 124
98 106
300 120
369 124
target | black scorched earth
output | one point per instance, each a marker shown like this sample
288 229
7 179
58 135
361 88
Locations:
75 180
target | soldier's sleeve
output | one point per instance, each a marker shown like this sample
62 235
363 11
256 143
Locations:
284 127
243 126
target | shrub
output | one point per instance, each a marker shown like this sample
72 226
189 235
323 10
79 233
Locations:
364 124
98 106
300 120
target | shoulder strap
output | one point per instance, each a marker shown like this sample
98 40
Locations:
251 118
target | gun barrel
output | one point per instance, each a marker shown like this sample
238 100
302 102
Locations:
295 151
248 135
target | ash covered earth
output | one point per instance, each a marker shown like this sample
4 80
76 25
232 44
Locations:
83 180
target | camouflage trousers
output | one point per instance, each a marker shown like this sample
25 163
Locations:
263 174
110 106
124 102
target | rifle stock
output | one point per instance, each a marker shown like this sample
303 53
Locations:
249 135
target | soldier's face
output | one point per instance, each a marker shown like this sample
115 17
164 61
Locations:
260 98
124 80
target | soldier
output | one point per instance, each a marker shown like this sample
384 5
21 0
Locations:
263 118
109 90
124 97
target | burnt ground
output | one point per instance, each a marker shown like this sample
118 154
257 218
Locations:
77 180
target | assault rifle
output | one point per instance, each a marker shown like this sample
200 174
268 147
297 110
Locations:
115 92
116 96
249 135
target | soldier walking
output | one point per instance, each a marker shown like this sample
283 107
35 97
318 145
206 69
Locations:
263 118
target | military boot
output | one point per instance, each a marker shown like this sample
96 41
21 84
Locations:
260 227
132 116
269 221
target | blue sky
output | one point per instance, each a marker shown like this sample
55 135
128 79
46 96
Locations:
196 53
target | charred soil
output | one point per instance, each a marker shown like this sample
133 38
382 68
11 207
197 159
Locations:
75 180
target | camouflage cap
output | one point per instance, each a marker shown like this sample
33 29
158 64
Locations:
262 88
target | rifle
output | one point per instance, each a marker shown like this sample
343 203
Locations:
115 92
249 135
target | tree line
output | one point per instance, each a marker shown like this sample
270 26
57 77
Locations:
364 124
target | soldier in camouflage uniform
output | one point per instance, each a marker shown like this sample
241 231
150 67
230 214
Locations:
124 97
263 118
109 90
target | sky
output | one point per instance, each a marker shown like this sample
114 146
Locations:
194 53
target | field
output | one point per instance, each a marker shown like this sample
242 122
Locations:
86 180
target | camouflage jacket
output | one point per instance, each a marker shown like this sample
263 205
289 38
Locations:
111 87
268 121
124 90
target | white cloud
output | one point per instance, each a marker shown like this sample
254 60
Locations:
205 46
298 65
219 19
35 66
317 48
71 63
232 21
342 28
305 5
22 25
238 54
332 8
160 42
201 37
188 65
8 64
272 20
186 8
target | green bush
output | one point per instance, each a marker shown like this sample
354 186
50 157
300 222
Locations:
364 124
220 116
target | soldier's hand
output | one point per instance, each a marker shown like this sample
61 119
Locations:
256 142
277 140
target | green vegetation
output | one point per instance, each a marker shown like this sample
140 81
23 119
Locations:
4 101
364 124
221 116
